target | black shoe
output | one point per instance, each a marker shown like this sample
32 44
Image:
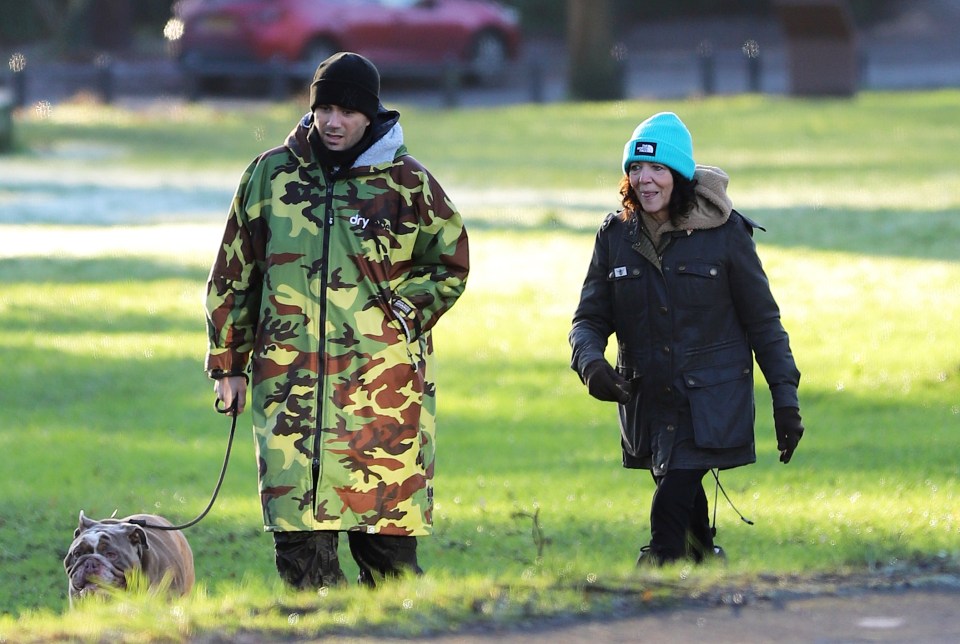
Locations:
719 554
647 559
699 556
650 559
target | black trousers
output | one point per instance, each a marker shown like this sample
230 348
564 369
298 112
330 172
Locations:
680 518
309 559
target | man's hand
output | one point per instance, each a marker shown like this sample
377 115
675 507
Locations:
229 388
786 420
604 383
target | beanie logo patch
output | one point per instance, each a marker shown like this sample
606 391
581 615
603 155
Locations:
645 148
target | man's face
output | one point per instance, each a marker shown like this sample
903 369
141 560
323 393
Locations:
340 128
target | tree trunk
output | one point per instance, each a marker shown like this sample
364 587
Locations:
596 68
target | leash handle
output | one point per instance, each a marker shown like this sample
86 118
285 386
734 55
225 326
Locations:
226 410
223 471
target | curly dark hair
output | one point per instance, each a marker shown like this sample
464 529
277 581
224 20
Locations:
681 199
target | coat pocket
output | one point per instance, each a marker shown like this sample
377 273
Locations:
627 290
633 439
721 405
699 284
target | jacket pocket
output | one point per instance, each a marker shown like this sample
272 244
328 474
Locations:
632 437
627 289
413 341
721 405
699 284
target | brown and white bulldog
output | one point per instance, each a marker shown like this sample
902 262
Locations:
104 552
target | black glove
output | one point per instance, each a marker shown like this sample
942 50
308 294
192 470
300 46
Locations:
786 420
604 383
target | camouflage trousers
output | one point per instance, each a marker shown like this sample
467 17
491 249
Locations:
309 559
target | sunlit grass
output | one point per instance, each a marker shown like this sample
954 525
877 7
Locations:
105 406
547 449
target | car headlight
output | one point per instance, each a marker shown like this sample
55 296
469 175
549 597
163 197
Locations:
173 30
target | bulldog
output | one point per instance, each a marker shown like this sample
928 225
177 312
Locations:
103 553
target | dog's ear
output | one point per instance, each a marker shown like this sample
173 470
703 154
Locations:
83 524
138 537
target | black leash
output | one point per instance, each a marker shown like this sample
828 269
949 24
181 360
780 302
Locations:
223 471
719 488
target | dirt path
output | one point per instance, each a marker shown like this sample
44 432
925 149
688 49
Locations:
916 615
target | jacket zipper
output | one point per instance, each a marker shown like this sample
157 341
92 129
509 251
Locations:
318 430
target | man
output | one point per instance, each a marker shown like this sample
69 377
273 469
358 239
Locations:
340 253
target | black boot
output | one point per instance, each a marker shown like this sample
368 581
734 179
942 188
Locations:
308 560
379 556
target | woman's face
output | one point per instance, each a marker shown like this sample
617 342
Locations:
653 185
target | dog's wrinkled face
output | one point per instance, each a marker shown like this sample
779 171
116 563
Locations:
101 553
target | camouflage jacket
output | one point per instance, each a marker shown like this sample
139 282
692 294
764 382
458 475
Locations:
329 289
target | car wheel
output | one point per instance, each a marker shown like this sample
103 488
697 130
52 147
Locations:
488 58
316 51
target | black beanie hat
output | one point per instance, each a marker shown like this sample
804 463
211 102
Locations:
348 80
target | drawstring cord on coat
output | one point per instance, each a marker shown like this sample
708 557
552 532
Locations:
223 471
716 491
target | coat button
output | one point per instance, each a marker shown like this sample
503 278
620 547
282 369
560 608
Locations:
682 267
636 271
666 349
713 272
691 381
669 428
663 310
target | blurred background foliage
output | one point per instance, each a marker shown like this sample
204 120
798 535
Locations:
99 23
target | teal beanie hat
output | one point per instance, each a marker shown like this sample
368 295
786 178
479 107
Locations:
662 138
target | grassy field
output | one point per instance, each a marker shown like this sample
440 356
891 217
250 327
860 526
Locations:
108 221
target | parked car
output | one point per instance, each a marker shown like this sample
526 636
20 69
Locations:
217 37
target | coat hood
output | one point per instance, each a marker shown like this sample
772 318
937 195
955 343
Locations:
713 206
387 142
711 209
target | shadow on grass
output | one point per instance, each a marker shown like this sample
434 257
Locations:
84 270
895 233
41 202
926 235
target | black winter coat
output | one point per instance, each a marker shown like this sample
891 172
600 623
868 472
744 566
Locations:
689 321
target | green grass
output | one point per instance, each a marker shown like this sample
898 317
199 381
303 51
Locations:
105 407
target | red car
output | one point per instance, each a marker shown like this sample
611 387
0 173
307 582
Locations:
402 36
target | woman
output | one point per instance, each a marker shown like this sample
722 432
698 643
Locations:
676 276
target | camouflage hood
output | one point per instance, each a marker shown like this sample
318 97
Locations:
384 144
327 290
